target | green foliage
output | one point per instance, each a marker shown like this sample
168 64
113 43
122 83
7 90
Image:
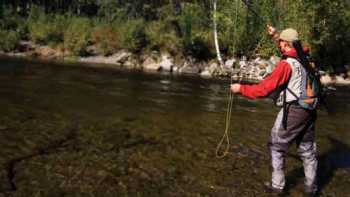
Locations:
110 37
110 11
106 39
330 35
184 26
266 47
163 36
132 35
199 48
194 22
76 37
46 28
1 11
9 40
13 22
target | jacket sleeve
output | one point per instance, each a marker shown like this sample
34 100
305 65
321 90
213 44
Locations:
278 77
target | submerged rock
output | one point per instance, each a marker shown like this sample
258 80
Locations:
121 57
176 69
327 79
131 63
166 63
151 64
99 59
25 46
92 50
189 69
214 69
229 63
205 73
243 62
45 51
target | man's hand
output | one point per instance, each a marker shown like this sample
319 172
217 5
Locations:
235 88
271 30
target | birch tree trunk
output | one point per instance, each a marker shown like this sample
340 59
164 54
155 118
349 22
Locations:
217 47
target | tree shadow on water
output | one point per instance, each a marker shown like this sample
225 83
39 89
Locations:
338 157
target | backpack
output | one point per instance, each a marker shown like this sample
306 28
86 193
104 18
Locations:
310 92
311 84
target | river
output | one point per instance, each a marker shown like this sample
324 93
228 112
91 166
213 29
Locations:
74 130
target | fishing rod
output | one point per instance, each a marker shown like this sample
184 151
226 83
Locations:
248 5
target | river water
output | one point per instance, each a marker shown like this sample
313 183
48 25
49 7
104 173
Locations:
73 130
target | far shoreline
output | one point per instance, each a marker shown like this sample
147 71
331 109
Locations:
106 62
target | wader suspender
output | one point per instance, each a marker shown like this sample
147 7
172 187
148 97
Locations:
286 105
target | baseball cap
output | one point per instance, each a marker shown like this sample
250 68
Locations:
289 35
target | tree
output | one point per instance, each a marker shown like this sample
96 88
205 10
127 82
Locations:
217 47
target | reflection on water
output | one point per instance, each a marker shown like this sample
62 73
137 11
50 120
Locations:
138 131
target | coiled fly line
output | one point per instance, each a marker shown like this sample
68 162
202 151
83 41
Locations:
225 138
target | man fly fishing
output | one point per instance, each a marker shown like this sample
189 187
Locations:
297 87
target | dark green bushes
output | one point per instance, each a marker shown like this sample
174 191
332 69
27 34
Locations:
111 37
163 37
77 35
106 39
195 27
9 40
46 28
133 35
12 29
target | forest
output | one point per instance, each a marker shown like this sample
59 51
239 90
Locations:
180 27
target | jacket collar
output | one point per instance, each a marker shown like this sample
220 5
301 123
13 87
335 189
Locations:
291 53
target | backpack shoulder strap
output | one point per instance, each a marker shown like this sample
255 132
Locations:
290 91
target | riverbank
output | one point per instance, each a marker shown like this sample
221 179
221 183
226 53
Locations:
253 70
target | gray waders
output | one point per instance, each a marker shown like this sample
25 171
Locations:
300 128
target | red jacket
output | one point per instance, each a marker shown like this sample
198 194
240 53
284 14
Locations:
278 77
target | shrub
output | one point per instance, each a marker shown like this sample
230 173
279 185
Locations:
14 22
9 40
199 48
162 37
46 28
110 11
106 39
76 37
110 37
194 27
266 48
132 35
22 29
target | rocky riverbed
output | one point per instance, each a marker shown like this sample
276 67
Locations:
80 131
